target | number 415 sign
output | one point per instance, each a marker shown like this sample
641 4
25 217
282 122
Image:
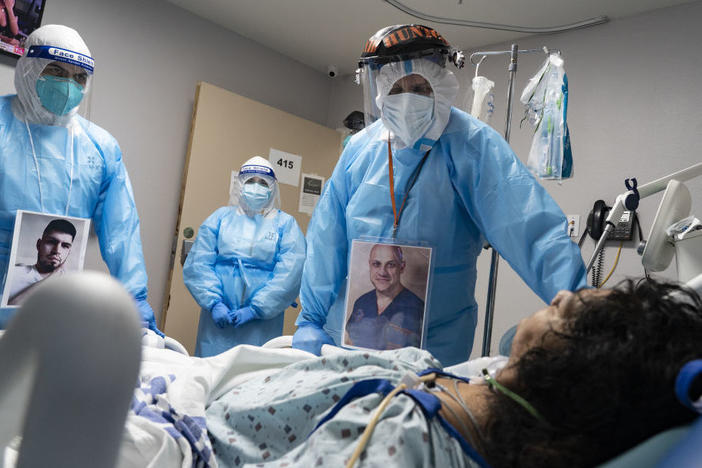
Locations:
286 166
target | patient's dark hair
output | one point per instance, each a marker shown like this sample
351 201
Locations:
607 383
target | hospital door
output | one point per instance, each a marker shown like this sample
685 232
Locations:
226 130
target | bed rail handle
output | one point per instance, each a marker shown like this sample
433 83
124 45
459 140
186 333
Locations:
69 362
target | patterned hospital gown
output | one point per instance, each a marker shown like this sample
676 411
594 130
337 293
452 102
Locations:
267 421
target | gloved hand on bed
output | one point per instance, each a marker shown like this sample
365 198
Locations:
310 337
243 315
222 315
147 316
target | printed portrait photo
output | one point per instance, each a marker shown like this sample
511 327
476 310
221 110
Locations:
386 295
43 246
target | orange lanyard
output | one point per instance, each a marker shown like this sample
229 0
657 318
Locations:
410 184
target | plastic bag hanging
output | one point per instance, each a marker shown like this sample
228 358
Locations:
546 101
483 99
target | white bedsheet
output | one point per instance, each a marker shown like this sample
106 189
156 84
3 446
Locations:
198 381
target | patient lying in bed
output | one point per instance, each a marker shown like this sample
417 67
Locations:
588 377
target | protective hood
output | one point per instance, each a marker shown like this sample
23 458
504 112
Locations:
254 167
29 67
443 83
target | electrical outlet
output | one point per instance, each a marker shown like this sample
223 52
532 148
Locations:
573 225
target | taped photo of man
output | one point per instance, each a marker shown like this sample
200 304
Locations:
53 249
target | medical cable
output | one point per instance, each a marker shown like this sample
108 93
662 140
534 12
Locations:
37 167
510 394
638 228
365 437
582 238
476 443
616 261
466 408
443 389
496 26
597 269
410 184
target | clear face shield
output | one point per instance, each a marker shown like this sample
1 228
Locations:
255 190
369 70
54 84
411 94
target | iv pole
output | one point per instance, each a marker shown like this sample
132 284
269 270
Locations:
494 262
627 200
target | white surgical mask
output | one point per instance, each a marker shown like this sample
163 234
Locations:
408 115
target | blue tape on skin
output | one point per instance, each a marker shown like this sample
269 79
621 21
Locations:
58 54
686 377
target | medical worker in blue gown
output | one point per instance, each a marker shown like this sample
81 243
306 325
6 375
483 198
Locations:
245 266
430 174
54 161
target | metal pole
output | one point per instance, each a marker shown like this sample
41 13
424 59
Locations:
494 263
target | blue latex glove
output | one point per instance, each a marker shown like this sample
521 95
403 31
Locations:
147 317
242 316
222 315
310 338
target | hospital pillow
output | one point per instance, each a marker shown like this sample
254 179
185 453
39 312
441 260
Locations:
650 452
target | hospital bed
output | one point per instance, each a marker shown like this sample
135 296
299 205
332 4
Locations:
68 376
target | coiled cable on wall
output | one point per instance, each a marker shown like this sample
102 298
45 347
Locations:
597 269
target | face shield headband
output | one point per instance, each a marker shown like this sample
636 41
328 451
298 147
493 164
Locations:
438 56
58 54
251 170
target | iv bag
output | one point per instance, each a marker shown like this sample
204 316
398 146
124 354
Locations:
546 101
483 99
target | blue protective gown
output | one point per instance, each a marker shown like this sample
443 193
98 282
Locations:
472 187
100 190
244 261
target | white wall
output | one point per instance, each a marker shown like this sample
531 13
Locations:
149 56
634 111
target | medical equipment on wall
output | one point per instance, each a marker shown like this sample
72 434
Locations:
658 251
623 231
674 234
494 262
546 101
688 247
